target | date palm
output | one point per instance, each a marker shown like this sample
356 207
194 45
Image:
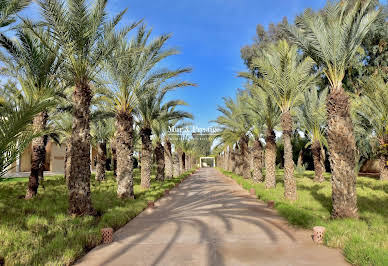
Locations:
151 107
372 110
133 79
285 77
234 126
30 62
332 38
86 37
268 113
17 114
312 120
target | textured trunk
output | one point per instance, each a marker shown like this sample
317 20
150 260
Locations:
67 162
384 159
176 164
180 161
101 161
80 202
124 151
146 157
159 156
169 170
230 161
183 166
342 151
114 158
300 158
233 161
319 161
270 159
257 154
38 155
289 179
187 162
245 169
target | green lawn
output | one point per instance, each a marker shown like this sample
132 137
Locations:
39 231
364 241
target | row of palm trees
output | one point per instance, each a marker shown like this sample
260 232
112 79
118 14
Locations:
285 89
89 82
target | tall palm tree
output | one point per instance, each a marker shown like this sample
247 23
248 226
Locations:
332 38
234 126
267 113
284 77
16 133
151 108
372 110
35 67
312 120
86 37
133 77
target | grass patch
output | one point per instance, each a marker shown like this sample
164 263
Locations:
39 231
363 241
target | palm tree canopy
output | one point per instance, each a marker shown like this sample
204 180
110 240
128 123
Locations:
372 107
284 75
312 115
333 35
32 64
234 122
84 34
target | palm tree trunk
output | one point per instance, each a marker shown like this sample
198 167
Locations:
159 156
38 155
230 161
124 150
176 164
101 161
384 158
342 151
257 161
319 161
67 161
300 159
146 153
187 162
183 166
245 169
180 161
168 159
270 159
233 161
289 179
80 202
114 158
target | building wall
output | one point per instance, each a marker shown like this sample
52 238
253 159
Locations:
25 160
57 157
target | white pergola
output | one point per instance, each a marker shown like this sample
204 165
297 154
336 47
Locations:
200 161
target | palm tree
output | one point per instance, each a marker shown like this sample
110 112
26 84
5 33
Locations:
267 111
332 38
34 66
16 133
285 77
312 119
86 38
134 78
151 108
234 126
102 131
372 110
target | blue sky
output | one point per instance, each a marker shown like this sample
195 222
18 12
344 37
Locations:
209 34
